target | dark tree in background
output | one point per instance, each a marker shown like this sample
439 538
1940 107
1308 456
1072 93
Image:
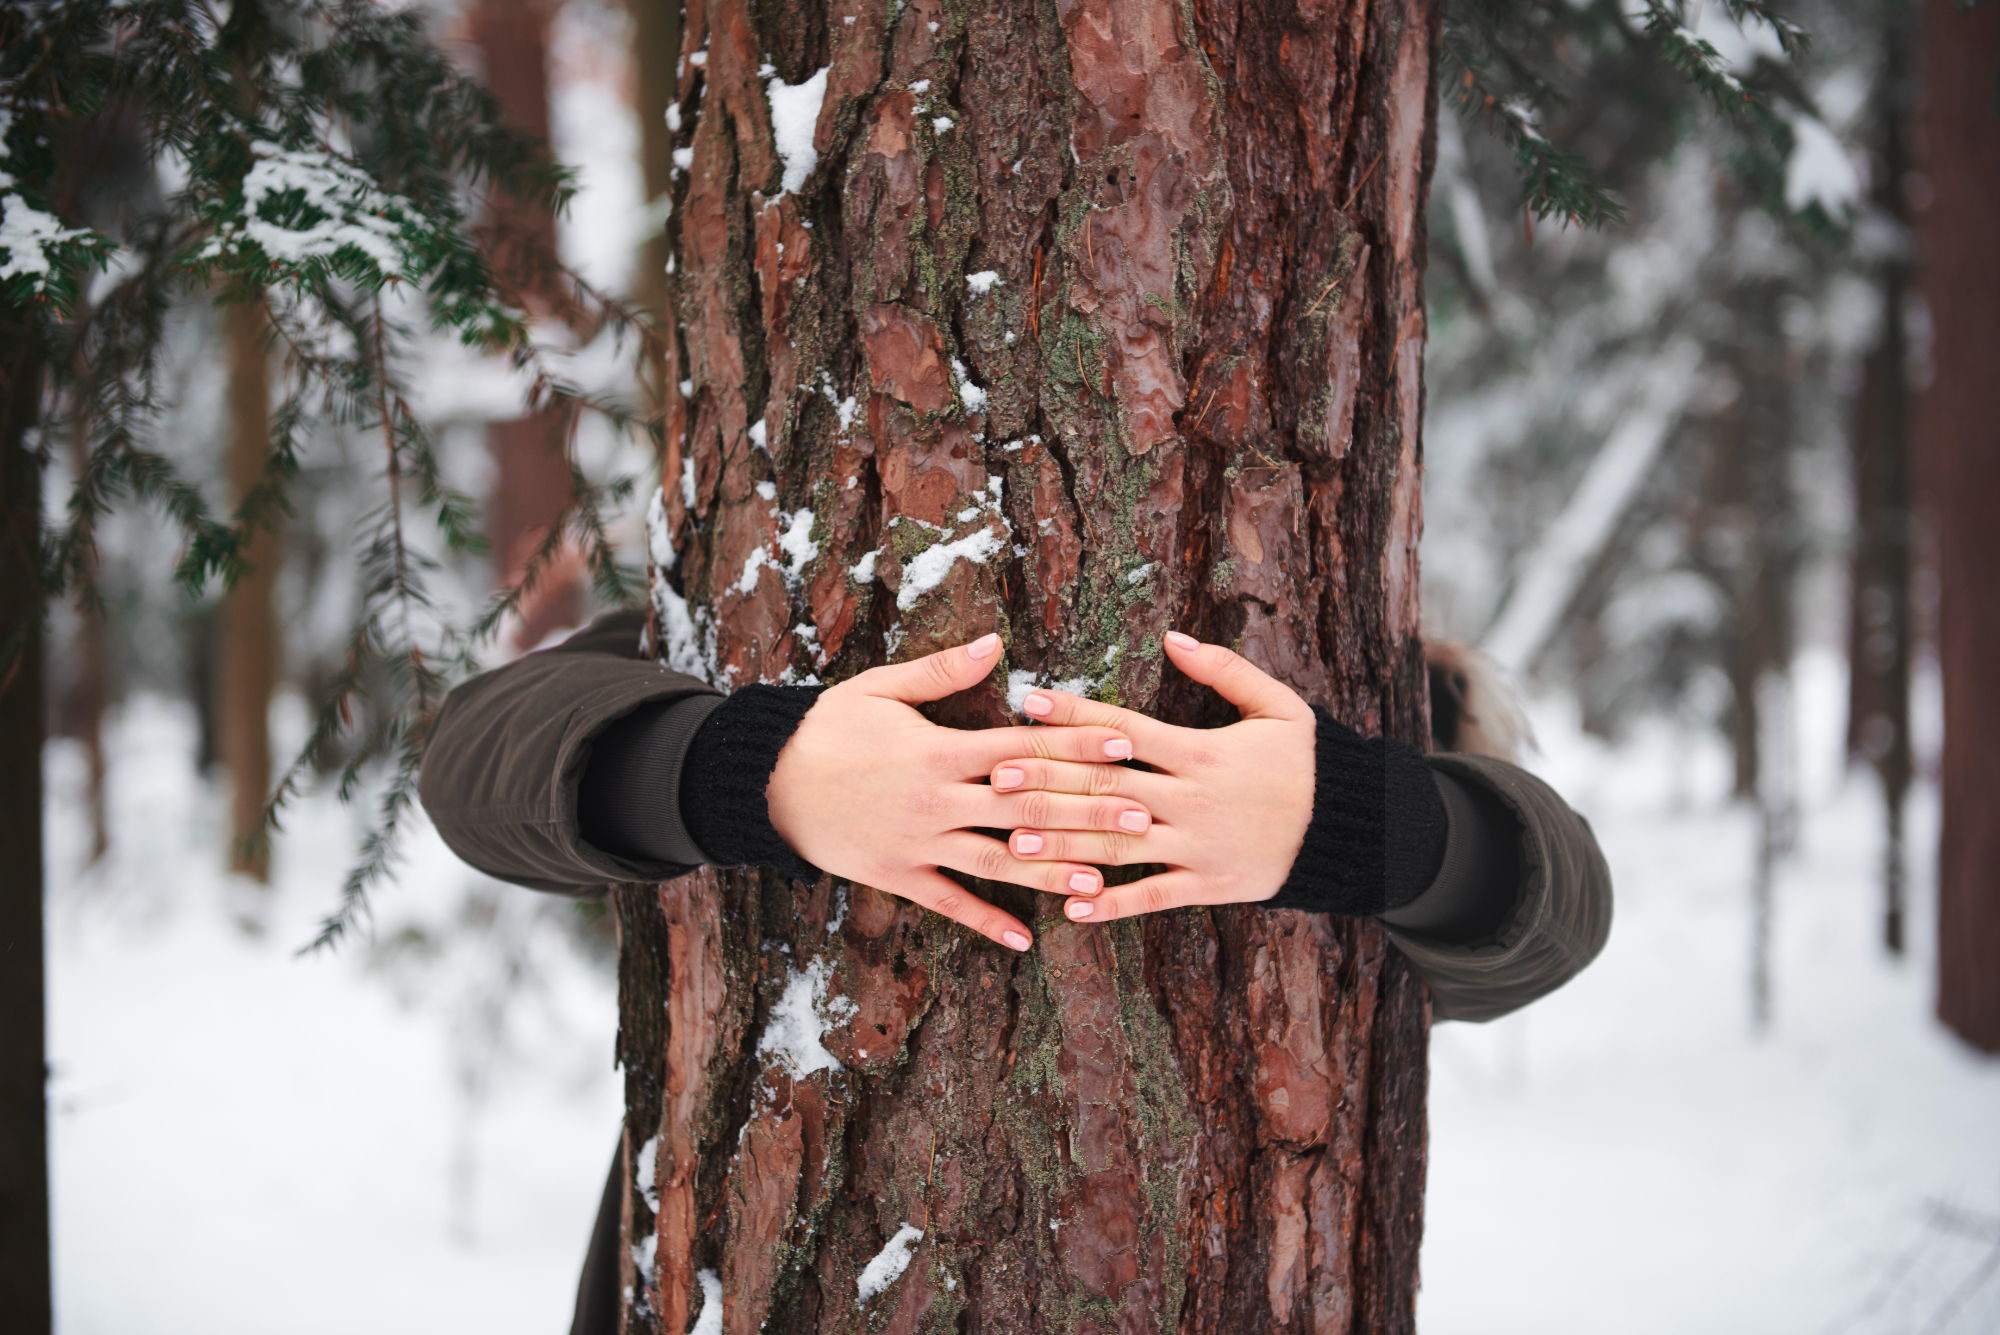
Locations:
1959 432
1881 629
531 465
24 1178
1082 321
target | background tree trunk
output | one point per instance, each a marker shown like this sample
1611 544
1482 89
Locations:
1958 433
531 481
1880 624
1117 302
248 643
24 1172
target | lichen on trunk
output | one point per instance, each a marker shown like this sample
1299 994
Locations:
1081 321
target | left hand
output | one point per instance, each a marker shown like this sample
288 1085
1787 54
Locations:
1230 805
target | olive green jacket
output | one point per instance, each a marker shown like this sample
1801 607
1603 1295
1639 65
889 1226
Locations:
509 748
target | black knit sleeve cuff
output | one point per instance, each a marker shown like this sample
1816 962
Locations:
729 765
1377 833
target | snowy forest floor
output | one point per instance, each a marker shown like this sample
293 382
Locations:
411 1135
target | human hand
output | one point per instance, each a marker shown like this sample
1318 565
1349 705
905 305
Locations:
1230 805
870 790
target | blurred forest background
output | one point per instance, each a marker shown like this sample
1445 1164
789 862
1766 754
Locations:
1680 484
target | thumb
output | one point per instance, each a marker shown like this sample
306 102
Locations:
934 676
1235 678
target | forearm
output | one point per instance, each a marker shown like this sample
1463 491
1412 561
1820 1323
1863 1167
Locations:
1392 836
510 749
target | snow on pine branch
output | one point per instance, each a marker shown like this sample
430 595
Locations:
302 207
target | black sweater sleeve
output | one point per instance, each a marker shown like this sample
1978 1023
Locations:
651 763
1391 836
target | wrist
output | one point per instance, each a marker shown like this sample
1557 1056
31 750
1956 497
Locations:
1377 829
724 791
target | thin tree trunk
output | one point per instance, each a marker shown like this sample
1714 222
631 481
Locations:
656 32
24 1175
250 649
1880 623
531 482
1120 301
78 709
1959 426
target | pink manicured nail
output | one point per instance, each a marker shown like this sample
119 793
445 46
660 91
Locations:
1180 641
1083 883
983 647
1118 749
1018 940
1038 705
1008 777
1135 821
1027 843
1079 908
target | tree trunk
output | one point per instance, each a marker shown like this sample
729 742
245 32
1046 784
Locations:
1880 625
1118 301
24 1174
531 482
656 32
1958 434
249 649
78 704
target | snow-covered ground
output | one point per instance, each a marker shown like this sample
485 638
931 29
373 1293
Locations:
1629 1156
409 1136
249 1142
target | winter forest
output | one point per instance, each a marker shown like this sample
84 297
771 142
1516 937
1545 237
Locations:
1640 352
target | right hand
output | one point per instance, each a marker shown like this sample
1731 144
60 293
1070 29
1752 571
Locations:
870 790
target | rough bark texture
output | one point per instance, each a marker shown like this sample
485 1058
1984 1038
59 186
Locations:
1959 422
1190 398
248 644
24 1180
531 481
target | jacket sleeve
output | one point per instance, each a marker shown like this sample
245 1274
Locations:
509 748
1561 914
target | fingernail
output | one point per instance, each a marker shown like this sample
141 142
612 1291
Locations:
1018 940
1079 908
1180 641
1038 705
1027 843
983 647
1118 749
1008 777
1135 821
1083 883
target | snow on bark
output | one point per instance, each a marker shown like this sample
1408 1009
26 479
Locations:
888 1264
794 115
792 1036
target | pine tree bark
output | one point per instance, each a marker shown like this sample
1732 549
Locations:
24 1177
250 650
531 483
1960 441
1118 301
